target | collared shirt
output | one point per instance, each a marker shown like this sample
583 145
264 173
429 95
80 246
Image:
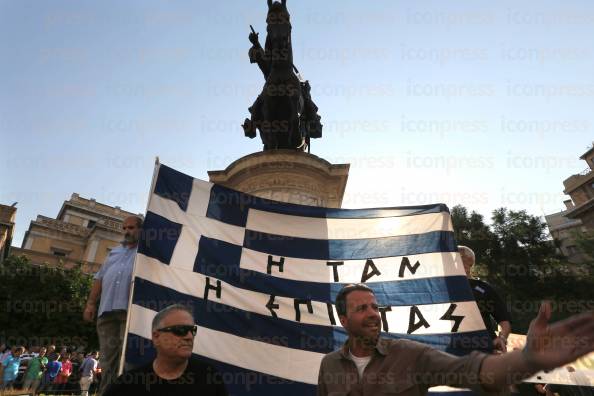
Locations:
360 362
88 367
400 367
116 277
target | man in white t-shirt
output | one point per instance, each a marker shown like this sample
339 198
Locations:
368 364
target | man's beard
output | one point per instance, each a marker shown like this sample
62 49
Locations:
366 340
129 239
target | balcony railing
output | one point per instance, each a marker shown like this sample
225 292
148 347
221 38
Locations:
585 172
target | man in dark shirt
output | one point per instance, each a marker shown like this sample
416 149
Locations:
174 371
490 305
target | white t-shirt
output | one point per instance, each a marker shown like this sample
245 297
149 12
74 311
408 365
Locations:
360 362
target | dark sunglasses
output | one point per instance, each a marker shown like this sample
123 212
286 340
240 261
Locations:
180 330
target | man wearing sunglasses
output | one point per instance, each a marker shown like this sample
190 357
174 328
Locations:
174 371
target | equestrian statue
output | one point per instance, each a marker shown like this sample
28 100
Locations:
284 112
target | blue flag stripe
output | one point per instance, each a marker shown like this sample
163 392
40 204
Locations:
174 185
350 249
159 237
232 207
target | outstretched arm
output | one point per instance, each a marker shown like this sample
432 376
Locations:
547 347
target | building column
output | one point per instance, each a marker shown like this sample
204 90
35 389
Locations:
29 243
92 250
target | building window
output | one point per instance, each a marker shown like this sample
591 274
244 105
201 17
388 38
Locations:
59 252
91 223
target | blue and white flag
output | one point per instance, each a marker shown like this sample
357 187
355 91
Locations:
262 276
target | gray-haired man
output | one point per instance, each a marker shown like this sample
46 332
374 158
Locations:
174 371
489 302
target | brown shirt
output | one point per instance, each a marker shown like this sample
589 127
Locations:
398 367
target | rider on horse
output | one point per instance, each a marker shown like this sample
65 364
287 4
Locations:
284 112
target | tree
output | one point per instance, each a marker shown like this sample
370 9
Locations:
471 230
585 243
523 264
524 245
43 305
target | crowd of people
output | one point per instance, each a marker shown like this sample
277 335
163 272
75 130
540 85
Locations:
48 370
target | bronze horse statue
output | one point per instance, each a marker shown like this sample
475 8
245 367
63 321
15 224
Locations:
284 113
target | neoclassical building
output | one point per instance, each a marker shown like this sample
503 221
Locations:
83 232
578 217
7 216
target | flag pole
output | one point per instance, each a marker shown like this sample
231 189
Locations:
123 352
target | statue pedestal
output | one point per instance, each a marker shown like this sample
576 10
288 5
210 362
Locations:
287 176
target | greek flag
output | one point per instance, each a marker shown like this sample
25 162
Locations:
262 276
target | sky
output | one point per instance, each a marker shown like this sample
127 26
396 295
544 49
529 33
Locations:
480 103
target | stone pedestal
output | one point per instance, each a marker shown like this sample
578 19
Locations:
287 176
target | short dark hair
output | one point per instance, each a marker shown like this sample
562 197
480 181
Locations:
137 218
341 306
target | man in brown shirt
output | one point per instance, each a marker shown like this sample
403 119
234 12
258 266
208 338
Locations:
369 365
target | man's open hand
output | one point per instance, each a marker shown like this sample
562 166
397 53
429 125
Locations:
549 346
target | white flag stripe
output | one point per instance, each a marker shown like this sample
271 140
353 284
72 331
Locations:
431 265
199 225
441 389
398 318
193 284
199 198
293 364
186 250
322 228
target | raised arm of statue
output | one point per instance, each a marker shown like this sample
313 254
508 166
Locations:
257 53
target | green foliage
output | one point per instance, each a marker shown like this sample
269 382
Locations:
585 242
41 305
515 255
471 231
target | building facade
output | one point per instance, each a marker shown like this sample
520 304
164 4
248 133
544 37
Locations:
7 217
578 217
83 233
580 188
563 230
